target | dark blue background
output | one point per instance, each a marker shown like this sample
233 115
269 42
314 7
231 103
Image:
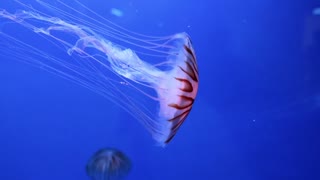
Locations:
256 115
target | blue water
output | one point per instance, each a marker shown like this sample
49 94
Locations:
256 115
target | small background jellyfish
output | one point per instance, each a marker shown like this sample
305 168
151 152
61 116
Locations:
108 164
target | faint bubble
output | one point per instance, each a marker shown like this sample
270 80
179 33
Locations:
317 100
244 21
116 12
160 24
124 83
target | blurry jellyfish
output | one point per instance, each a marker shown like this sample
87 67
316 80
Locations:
157 83
316 11
108 164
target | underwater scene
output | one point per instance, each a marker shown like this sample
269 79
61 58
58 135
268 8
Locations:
159 90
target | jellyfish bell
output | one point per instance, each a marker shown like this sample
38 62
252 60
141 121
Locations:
108 164
155 80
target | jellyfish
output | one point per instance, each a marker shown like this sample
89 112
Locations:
108 164
153 78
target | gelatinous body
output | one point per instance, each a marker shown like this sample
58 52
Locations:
155 80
